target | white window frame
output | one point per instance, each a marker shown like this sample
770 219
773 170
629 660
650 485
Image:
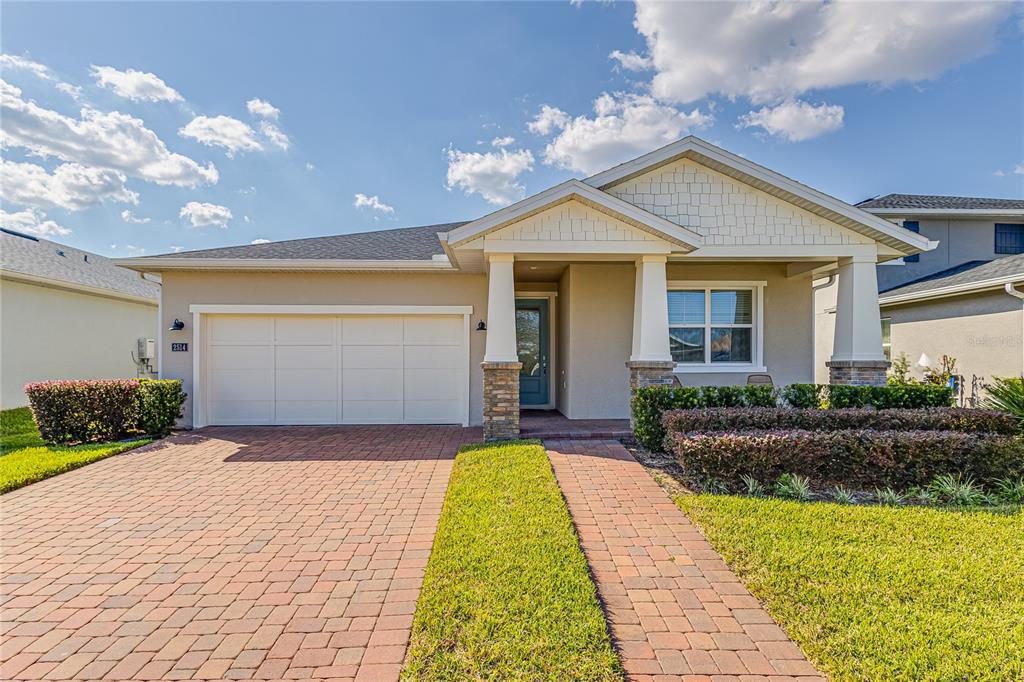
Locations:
757 326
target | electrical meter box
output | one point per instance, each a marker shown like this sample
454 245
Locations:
147 349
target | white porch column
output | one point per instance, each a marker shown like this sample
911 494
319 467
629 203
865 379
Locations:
650 311
857 356
501 310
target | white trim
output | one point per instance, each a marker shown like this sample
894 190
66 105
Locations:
695 147
911 212
77 288
952 290
769 251
757 326
331 309
574 189
157 264
160 335
198 372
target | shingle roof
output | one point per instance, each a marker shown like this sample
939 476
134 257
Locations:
42 258
405 243
964 274
931 201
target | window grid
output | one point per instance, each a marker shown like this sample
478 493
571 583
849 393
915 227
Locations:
707 325
1009 238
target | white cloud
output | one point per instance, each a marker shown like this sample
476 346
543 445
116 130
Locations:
97 139
260 241
623 127
548 120
274 135
795 120
503 141
1018 169
71 186
492 175
138 86
310 167
177 249
32 221
631 61
10 61
374 203
222 131
247 219
262 108
72 91
204 215
130 217
771 51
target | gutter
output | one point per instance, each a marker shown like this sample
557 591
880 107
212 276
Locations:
151 264
950 212
953 290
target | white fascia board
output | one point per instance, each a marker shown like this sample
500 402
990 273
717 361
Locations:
952 290
568 190
158 264
301 309
699 147
951 212
75 287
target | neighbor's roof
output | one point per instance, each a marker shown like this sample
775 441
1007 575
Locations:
932 202
965 277
405 243
41 259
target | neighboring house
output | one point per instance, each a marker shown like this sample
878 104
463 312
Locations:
67 314
952 300
687 262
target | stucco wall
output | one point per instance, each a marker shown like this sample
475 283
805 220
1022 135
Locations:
48 333
180 289
824 329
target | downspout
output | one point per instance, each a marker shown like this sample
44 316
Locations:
814 321
1012 290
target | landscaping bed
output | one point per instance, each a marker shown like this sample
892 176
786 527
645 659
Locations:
507 592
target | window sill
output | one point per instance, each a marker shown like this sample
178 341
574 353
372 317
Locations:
718 368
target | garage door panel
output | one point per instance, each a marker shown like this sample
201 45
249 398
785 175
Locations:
241 357
298 329
306 357
241 412
306 384
242 330
242 384
307 412
438 357
432 411
372 412
433 330
371 384
371 357
371 331
431 384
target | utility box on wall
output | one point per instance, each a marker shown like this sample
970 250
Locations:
147 349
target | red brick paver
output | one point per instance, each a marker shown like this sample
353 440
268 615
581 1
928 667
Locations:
230 553
676 610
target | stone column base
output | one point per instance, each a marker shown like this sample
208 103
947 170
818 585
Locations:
650 373
501 400
857 372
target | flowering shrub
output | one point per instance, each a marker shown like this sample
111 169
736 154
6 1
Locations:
772 418
861 458
83 411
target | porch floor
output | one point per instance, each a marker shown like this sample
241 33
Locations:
554 424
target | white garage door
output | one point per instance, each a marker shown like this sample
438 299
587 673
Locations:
323 369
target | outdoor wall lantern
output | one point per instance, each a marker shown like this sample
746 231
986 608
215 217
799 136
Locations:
176 326
481 326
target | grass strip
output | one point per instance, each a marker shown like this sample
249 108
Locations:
507 592
879 593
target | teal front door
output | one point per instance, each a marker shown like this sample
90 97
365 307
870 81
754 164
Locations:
532 340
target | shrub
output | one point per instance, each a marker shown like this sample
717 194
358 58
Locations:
84 411
760 395
888 497
1007 395
722 396
907 396
793 487
859 458
841 495
160 402
650 402
780 418
958 490
1010 490
804 396
752 486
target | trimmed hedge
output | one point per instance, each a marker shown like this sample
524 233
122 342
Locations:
861 458
86 411
781 418
906 396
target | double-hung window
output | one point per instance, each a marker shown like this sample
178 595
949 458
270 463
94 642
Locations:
715 327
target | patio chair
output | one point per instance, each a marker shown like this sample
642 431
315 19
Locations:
760 379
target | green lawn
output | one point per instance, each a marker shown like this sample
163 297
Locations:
507 593
25 458
880 593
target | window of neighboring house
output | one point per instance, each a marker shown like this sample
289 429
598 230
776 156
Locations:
715 326
1009 238
913 226
887 337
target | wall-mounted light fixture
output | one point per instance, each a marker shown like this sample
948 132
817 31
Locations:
481 326
176 326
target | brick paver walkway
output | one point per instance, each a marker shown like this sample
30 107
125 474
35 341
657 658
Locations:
267 553
676 610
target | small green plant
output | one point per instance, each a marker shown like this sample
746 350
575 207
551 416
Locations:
841 495
921 495
713 486
958 490
1007 395
942 375
794 487
752 485
888 497
899 372
1010 490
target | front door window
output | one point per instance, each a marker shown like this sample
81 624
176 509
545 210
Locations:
532 348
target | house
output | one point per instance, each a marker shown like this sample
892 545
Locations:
961 299
68 314
687 262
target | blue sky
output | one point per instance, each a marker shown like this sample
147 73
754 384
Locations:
142 108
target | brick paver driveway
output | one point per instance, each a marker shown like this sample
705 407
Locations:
265 553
